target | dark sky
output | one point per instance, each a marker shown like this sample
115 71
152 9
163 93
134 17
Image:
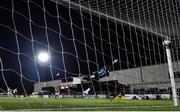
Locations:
27 29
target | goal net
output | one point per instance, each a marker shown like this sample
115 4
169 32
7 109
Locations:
89 54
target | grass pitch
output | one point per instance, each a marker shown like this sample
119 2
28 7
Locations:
79 104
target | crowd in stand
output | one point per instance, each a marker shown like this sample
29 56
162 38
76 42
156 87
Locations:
154 91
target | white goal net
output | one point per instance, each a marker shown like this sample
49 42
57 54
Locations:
89 54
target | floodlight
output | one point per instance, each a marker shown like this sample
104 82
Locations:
43 57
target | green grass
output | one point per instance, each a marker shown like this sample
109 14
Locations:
85 104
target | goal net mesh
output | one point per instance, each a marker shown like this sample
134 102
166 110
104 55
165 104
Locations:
88 54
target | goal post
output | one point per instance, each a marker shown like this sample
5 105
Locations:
167 43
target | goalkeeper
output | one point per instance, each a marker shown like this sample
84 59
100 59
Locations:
100 73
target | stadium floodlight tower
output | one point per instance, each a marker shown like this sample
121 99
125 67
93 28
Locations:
166 43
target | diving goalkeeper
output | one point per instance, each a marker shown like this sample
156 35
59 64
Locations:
100 73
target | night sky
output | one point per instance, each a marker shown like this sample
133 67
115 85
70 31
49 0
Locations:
25 30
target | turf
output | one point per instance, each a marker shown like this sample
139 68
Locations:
72 104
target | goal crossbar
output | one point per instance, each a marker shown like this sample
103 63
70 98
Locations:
96 13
